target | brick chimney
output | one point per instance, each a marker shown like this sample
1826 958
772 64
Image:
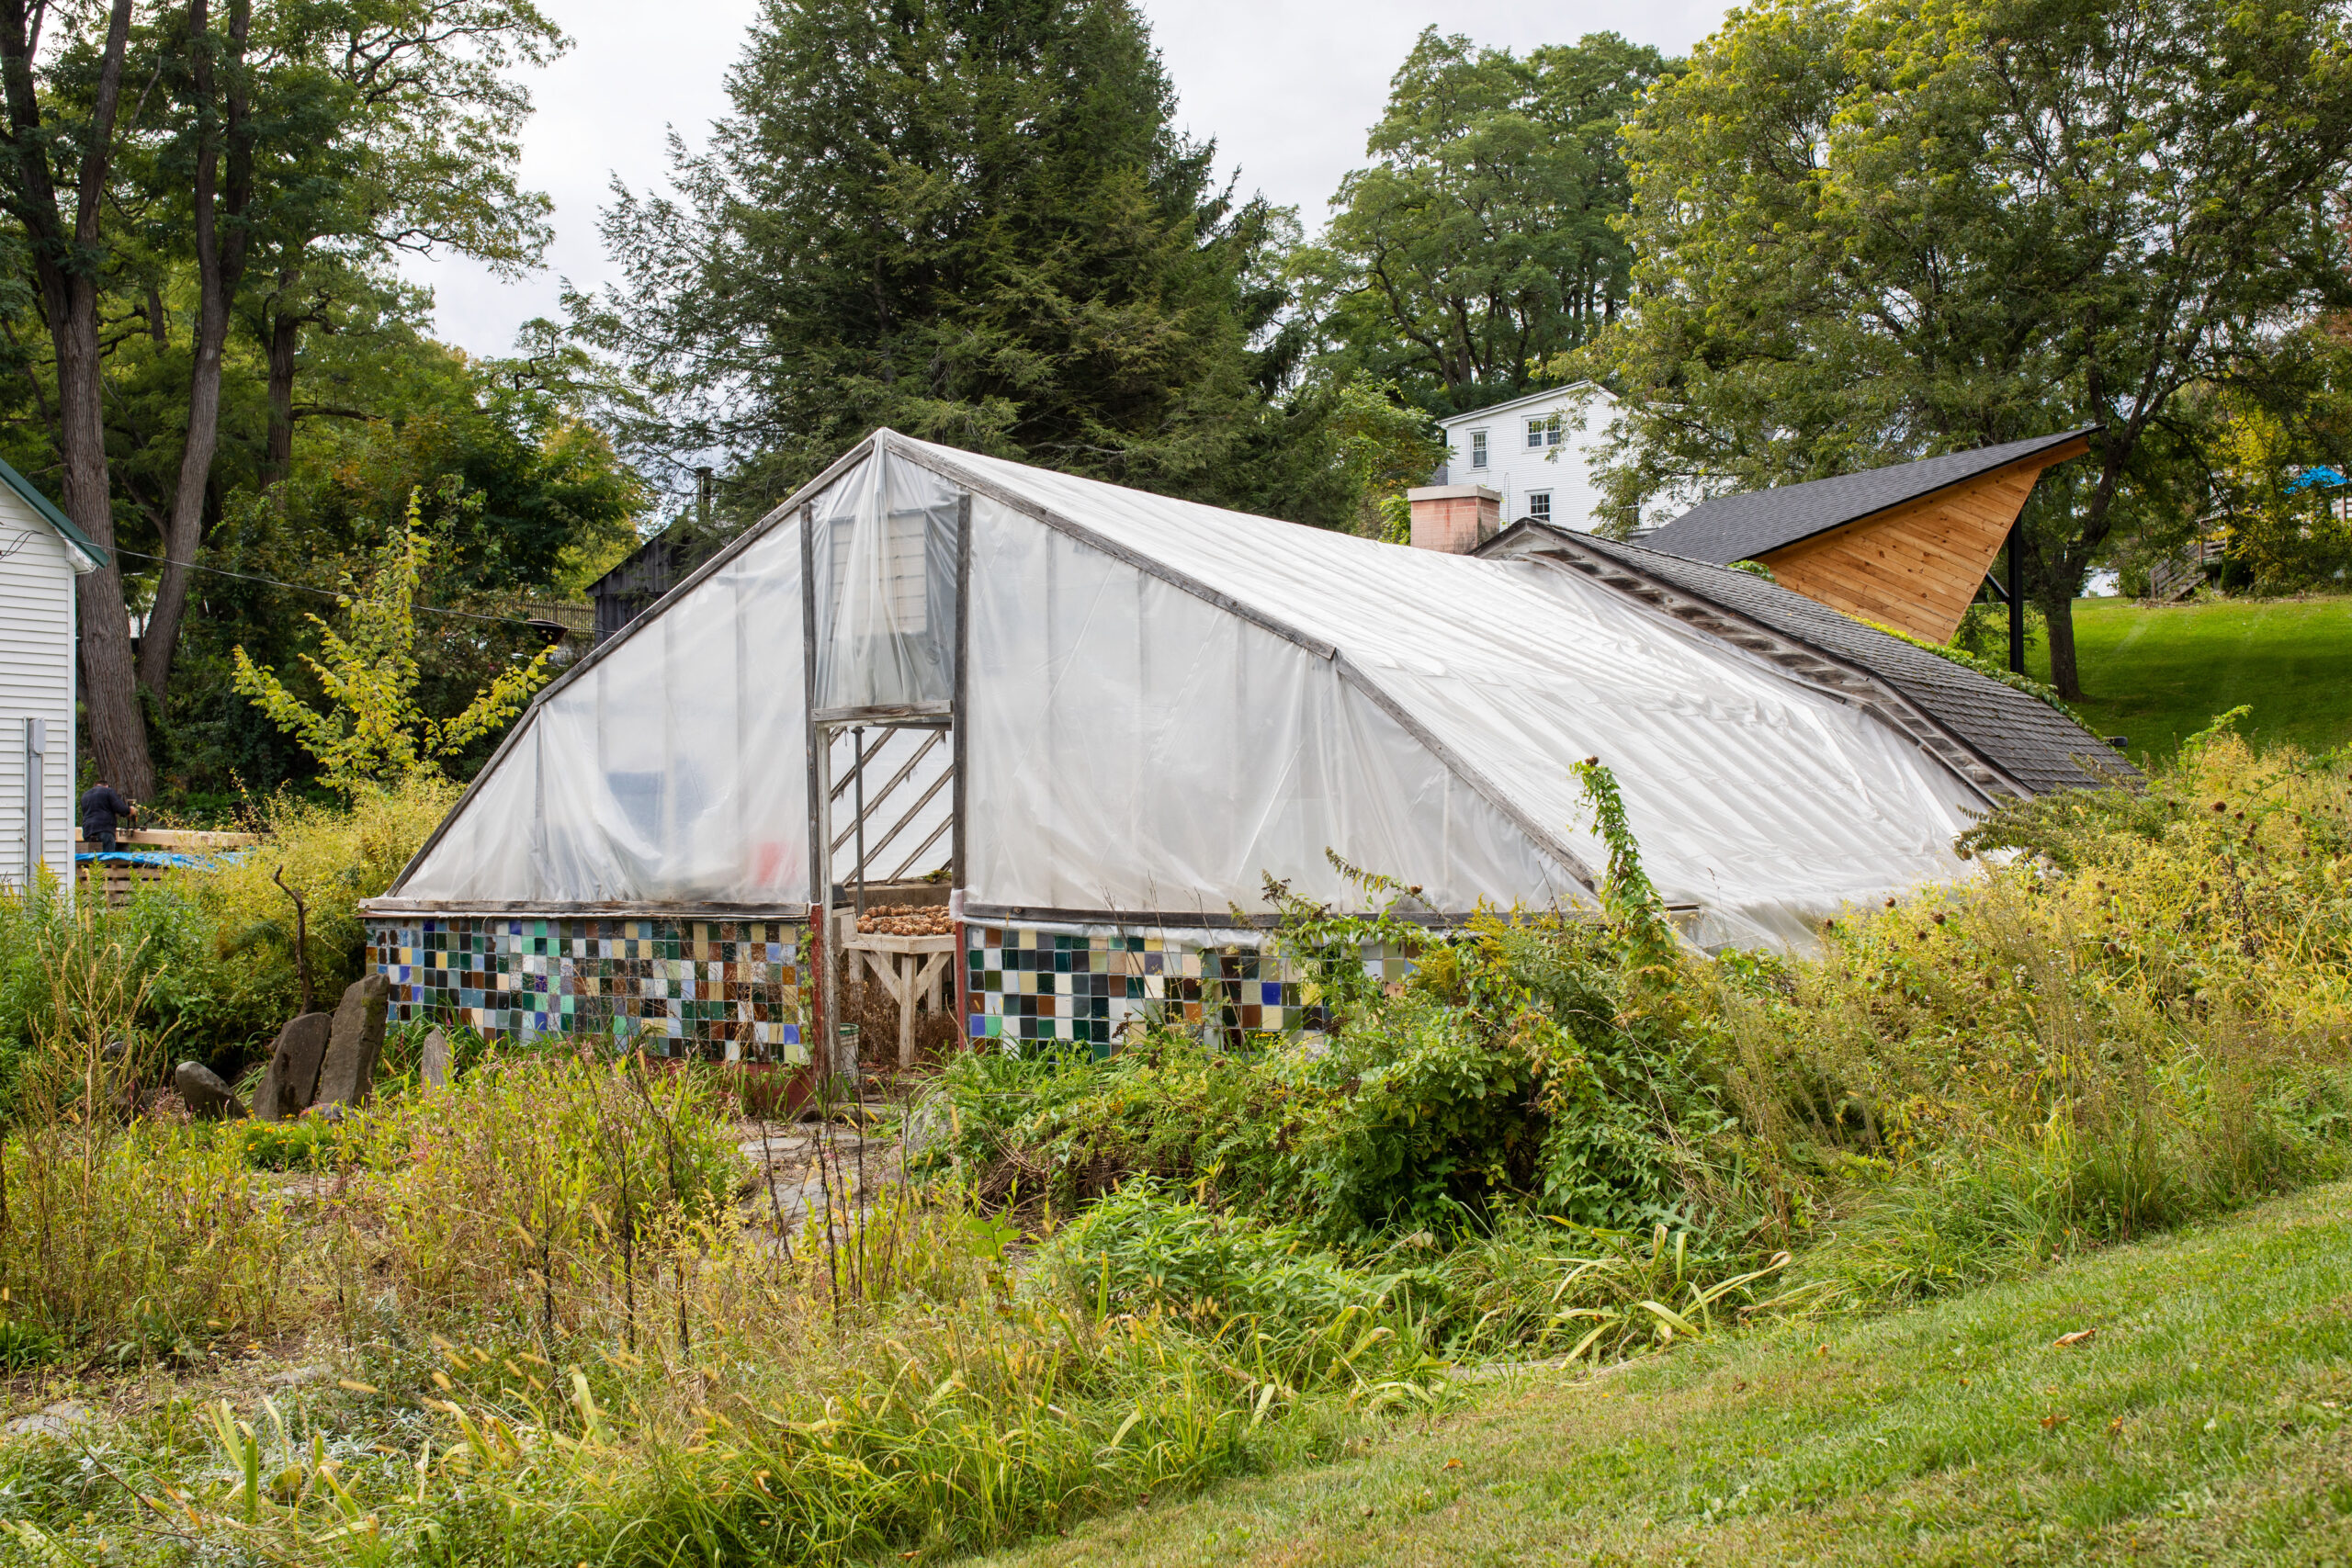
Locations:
1456 519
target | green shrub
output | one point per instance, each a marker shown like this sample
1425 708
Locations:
1517 1066
193 1001
309 1144
334 856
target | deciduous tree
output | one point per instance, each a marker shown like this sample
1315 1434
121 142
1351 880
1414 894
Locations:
64 97
371 729
1481 240
1873 231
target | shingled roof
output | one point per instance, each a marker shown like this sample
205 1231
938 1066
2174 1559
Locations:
1744 527
2031 746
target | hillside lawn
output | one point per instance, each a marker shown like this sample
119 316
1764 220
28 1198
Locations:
2204 1423
2157 673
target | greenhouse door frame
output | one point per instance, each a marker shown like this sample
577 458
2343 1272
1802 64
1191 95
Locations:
826 972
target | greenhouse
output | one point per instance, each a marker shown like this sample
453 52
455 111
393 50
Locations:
1087 724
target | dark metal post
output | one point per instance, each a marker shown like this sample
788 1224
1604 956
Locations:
819 962
963 684
2017 598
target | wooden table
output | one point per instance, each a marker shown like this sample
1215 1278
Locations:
909 967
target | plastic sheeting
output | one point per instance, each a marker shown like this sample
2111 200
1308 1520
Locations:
1136 744
886 589
1135 747
673 768
1765 803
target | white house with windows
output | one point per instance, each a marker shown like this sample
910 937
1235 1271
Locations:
1537 451
41 555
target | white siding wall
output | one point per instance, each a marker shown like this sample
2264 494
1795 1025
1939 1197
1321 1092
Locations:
36 681
1519 471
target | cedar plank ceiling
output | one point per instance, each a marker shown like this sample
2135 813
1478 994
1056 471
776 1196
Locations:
1916 567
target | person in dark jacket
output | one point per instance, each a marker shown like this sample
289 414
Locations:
101 809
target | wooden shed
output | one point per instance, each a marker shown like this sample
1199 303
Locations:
41 554
1905 547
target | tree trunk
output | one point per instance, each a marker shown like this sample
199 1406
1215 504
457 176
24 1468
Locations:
2058 614
219 267
285 337
65 260
110 680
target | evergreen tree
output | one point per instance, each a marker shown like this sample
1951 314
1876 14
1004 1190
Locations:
971 221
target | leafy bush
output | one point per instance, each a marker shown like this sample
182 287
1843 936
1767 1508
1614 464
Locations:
334 856
212 950
506 1191
1526 1061
2138 1015
191 997
310 1144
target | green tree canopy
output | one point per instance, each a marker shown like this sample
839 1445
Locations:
1873 231
968 220
182 166
1481 240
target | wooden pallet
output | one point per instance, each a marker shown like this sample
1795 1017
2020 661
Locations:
118 882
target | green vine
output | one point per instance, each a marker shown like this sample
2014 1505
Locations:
1637 913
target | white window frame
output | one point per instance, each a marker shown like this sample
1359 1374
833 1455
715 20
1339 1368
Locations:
1477 450
1539 506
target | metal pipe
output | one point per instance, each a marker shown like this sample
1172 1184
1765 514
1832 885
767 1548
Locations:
2017 598
963 686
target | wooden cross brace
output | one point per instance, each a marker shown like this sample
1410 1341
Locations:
907 976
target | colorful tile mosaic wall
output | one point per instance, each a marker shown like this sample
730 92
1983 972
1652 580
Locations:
720 989
1089 987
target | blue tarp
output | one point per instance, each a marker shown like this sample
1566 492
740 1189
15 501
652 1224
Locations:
2322 475
173 858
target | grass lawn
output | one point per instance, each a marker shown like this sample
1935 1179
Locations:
2160 673
2206 1423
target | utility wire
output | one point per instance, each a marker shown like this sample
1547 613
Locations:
328 593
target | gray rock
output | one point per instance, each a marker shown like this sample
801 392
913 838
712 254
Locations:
434 1068
206 1097
354 1043
292 1079
54 1421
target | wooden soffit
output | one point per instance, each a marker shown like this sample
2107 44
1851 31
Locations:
1916 567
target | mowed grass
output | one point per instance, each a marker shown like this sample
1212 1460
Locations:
2204 1423
2160 673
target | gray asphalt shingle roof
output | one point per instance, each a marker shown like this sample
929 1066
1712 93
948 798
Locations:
1741 527
2014 732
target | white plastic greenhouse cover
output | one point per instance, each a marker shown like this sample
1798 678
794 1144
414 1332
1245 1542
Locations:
1167 702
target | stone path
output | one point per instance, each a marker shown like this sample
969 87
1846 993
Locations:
786 1153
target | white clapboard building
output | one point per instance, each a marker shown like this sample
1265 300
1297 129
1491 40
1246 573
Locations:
1536 451
41 555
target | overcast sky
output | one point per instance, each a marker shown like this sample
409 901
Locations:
1286 88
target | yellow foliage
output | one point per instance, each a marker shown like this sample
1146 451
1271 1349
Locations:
2288 539
333 856
372 729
